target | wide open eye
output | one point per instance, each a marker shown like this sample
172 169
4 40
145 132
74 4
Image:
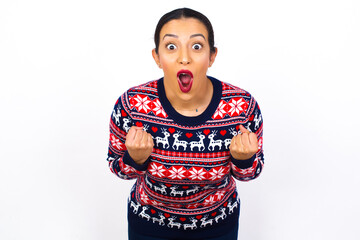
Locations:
171 46
197 46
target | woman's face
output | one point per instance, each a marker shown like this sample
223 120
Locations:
184 55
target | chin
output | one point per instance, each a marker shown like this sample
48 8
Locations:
186 96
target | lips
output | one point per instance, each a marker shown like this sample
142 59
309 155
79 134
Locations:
185 80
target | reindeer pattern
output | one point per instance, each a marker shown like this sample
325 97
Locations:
183 222
179 141
188 182
212 141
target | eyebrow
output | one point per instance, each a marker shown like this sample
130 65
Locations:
176 36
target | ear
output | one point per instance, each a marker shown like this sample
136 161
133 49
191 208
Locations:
212 57
156 58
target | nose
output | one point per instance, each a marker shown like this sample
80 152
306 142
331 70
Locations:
184 57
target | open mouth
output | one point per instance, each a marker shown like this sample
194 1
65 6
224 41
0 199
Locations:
185 80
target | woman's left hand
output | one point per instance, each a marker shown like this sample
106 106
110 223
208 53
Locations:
243 146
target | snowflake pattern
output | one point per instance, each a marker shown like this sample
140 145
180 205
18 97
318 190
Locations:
144 197
219 195
197 173
128 169
217 173
158 110
237 106
177 173
221 111
157 170
210 200
233 108
142 103
115 142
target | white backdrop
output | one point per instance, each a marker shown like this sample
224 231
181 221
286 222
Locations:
64 63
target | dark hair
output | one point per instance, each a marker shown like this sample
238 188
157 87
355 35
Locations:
184 13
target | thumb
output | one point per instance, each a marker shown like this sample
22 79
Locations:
243 129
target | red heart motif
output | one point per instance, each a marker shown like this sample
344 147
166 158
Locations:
234 196
189 135
139 124
237 127
166 215
251 117
132 195
154 129
152 211
123 113
171 130
152 181
198 217
168 185
225 204
182 219
185 187
206 131
213 214
223 132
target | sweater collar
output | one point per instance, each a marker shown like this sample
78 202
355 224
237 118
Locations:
191 121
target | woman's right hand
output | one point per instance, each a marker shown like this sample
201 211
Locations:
139 144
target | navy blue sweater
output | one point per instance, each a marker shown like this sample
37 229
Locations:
186 188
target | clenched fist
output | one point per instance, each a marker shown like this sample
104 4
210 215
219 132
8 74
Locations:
139 144
243 146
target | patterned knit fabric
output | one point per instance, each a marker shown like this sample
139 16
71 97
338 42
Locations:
186 188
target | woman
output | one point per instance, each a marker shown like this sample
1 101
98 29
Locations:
184 138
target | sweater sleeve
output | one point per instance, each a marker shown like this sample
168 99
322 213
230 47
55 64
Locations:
120 162
245 170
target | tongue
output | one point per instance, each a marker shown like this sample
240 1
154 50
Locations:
185 79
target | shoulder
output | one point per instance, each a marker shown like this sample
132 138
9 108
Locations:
235 102
140 91
142 99
232 90
148 87
228 89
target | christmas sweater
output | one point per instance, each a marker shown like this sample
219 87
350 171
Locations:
186 188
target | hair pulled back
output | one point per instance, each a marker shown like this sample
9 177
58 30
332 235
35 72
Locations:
184 13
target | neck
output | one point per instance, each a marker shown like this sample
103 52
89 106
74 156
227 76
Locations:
192 104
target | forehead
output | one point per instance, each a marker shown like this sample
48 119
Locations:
184 27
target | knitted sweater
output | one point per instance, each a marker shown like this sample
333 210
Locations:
186 188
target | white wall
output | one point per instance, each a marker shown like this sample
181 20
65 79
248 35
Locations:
64 63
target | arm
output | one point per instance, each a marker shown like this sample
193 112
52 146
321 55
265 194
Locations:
247 158
120 161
